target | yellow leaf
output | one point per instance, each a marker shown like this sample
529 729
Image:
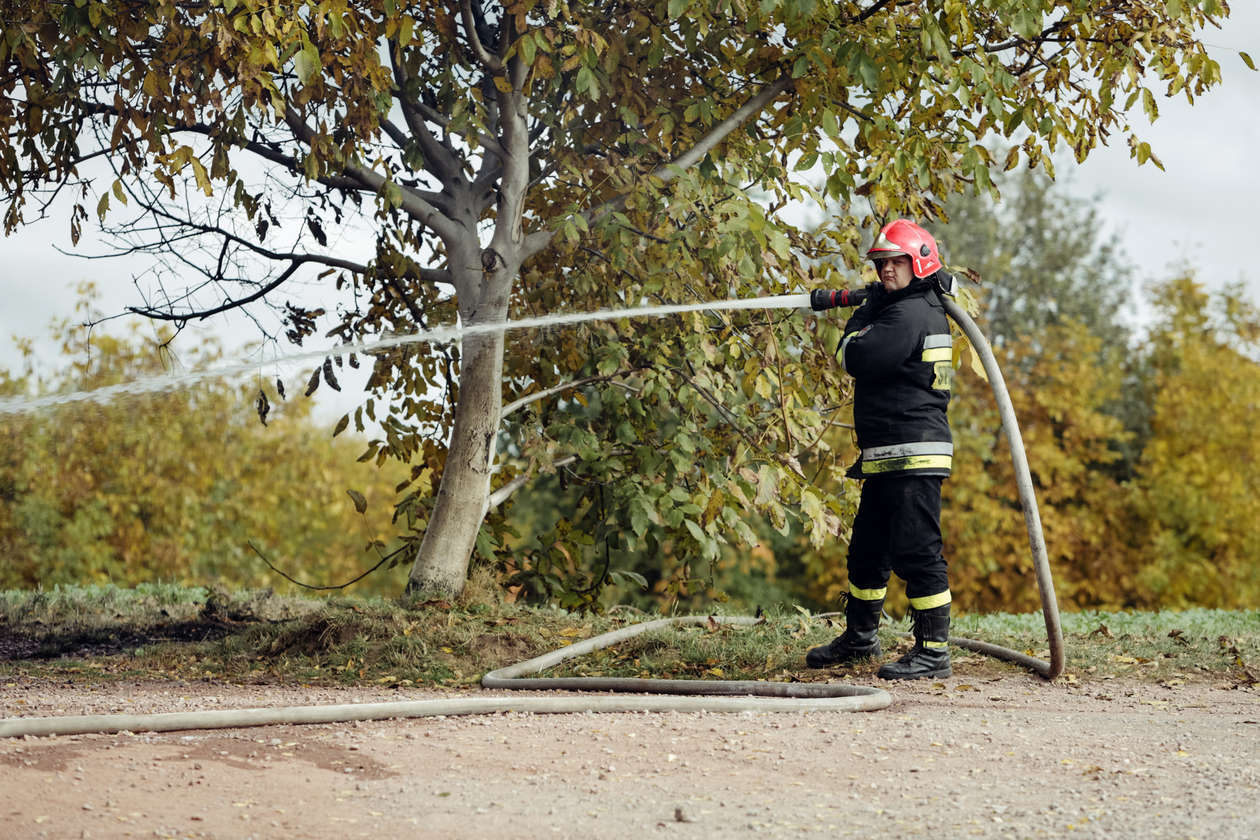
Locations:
976 364
203 178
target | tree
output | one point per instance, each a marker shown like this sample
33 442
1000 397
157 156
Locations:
542 156
1044 258
1197 491
176 486
1060 394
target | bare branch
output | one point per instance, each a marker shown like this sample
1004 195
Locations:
492 62
484 140
413 203
277 256
871 11
439 159
501 495
159 315
395 133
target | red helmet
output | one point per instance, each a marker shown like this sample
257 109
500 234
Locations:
905 237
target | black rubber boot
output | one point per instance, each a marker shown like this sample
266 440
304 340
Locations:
930 655
858 641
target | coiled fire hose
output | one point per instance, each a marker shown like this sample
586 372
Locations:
629 693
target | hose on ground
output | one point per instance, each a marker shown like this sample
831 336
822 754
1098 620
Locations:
831 696
677 696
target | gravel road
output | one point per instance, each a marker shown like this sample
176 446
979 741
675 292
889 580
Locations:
1003 757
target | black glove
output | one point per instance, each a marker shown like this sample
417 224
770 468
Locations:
865 313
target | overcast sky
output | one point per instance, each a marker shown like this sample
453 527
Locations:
1201 209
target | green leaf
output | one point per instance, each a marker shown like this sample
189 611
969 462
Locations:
869 72
625 432
830 124
811 506
1247 59
623 575
697 532
676 8
392 194
807 161
767 484
306 63
486 543
640 515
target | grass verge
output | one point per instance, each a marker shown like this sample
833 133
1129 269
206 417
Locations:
169 632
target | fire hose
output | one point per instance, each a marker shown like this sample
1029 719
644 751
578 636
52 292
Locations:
632 694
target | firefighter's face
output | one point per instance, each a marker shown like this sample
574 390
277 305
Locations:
895 272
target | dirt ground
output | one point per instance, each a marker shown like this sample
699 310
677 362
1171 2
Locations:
1001 757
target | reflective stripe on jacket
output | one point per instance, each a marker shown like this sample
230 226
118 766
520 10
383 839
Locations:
897 347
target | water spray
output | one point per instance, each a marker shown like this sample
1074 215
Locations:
163 382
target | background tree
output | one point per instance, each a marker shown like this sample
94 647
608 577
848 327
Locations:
1060 394
1045 257
1197 495
177 486
535 157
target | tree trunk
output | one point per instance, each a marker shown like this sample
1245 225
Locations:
441 565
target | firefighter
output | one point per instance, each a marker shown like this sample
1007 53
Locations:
898 350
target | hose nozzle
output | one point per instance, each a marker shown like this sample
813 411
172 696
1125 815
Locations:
820 299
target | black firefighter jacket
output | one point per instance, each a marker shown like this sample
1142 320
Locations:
897 348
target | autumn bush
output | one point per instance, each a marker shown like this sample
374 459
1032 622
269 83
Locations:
177 486
1176 531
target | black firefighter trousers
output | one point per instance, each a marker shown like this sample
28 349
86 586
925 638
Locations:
898 529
